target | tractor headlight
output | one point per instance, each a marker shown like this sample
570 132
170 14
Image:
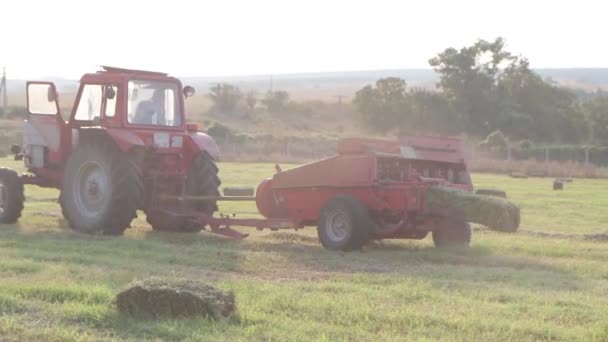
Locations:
161 140
177 141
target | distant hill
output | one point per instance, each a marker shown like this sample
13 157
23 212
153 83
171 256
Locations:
325 85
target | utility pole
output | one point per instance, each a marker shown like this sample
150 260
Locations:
3 90
271 84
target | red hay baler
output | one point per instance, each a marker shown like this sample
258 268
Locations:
373 189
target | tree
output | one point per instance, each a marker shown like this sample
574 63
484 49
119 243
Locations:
225 98
469 79
432 112
384 107
539 110
491 89
276 101
597 115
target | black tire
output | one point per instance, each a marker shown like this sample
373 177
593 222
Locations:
202 180
455 234
95 167
11 196
355 228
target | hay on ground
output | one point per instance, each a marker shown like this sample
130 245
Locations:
177 297
493 212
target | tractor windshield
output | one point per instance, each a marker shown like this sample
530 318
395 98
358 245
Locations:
153 103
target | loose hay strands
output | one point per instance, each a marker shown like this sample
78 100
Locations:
177 297
493 212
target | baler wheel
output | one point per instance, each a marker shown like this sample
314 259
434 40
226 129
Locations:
102 189
454 234
202 180
344 224
11 196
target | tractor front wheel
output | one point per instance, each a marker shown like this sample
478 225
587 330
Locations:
453 234
11 196
344 224
101 191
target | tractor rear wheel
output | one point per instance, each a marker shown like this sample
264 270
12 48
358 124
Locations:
202 180
453 234
344 224
11 196
101 191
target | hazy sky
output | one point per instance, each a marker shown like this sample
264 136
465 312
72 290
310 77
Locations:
223 37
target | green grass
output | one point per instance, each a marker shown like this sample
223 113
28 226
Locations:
58 285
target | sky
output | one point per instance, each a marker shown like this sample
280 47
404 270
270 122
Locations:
63 38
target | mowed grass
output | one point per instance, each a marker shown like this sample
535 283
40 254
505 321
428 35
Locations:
58 285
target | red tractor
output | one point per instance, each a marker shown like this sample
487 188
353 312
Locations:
125 142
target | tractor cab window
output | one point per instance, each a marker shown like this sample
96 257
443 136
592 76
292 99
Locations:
153 103
89 106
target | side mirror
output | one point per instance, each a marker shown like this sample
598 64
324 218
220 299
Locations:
110 93
188 91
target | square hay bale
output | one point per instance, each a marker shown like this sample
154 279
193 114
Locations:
558 185
518 175
493 212
177 297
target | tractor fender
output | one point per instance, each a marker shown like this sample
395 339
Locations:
124 140
204 142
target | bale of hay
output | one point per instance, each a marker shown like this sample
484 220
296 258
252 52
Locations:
178 297
493 212
557 185
491 192
518 175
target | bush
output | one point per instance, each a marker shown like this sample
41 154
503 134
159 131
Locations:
497 140
220 132
525 144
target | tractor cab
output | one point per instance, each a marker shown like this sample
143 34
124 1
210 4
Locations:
132 106
117 97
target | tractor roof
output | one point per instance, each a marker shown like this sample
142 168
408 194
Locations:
110 74
111 69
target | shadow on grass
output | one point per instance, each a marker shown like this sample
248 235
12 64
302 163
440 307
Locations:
150 252
421 260
166 329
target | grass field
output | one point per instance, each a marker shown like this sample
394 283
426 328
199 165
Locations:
58 285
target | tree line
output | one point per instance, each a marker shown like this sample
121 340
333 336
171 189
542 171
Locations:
482 89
